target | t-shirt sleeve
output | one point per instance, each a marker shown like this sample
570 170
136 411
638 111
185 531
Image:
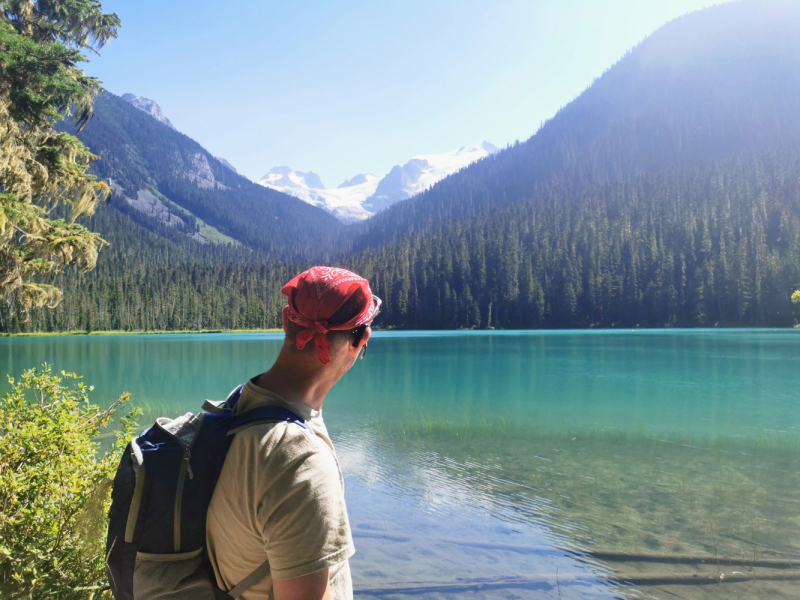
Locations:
302 512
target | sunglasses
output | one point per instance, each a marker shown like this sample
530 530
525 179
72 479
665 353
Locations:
361 329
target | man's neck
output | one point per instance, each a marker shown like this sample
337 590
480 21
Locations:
307 386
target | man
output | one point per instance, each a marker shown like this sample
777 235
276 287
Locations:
280 496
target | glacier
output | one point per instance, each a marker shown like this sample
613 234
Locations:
366 194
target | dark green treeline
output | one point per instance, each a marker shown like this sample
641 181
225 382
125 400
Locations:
717 245
161 280
702 247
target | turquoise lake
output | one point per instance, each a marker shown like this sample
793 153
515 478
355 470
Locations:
621 464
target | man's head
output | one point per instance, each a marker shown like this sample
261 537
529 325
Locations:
331 307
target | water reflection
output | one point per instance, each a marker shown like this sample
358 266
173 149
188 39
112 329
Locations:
478 511
426 525
167 374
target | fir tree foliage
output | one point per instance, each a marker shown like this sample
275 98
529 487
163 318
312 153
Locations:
43 170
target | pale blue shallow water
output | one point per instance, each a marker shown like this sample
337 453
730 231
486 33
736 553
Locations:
474 459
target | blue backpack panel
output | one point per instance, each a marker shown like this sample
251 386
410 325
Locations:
162 489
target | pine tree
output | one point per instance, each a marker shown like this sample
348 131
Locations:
43 173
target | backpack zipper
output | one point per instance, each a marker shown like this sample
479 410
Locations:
137 461
186 468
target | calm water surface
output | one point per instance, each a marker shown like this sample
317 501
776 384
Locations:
528 464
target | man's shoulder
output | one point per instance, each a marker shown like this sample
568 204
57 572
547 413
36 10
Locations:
281 444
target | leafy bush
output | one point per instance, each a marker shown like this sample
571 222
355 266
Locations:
54 486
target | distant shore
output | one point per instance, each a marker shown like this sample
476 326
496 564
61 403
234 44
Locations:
195 331
174 332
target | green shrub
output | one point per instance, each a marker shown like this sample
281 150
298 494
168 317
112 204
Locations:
54 486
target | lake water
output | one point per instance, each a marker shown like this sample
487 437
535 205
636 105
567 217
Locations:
625 464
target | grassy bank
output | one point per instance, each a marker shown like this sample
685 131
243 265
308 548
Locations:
179 331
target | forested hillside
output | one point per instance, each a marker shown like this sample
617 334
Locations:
666 195
146 282
707 86
714 245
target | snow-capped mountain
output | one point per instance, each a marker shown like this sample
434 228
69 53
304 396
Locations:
284 178
148 106
343 202
421 172
362 196
347 200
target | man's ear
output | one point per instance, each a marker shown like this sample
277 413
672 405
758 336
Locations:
285 318
354 350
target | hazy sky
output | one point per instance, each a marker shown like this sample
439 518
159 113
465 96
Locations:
348 87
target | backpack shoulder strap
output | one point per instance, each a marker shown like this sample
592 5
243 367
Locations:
214 406
267 414
220 406
255 416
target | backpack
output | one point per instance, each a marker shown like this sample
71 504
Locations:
162 489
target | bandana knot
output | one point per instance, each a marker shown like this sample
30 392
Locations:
316 330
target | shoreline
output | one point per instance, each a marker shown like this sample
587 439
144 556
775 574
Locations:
390 329
154 332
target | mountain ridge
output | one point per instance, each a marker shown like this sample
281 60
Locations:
169 183
151 107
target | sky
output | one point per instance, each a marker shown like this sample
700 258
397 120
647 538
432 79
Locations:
349 87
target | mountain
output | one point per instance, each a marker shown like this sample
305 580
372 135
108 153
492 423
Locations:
285 178
154 110
150 107
421 173
664 195
364 195
168 183
715 84
344 202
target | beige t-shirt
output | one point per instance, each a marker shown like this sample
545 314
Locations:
280 497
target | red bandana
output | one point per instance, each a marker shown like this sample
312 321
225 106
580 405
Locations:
315 296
